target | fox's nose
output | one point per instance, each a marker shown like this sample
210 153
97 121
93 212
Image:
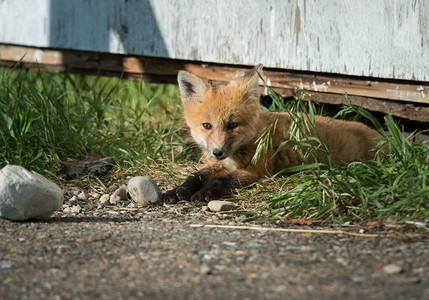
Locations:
217 153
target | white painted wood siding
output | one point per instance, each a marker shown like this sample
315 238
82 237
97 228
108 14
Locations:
382 38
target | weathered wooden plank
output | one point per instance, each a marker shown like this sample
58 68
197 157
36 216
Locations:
392 90
380 39
412 99
403 110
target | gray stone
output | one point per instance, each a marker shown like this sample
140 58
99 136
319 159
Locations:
104 199
76 209
392 269
82 196
72 200
144 190
218 205
27 195
119 195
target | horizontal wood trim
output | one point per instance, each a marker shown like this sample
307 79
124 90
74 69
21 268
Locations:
403 110
395 90
406 99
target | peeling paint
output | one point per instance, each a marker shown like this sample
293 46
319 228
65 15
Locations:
297 27
421 89
37 55
402 94
324 87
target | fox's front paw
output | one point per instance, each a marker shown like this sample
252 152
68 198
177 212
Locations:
180 193
170 197
183 193
203 196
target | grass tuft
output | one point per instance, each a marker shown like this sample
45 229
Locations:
47 117
394 184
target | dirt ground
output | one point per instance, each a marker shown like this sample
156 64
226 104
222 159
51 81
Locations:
156 253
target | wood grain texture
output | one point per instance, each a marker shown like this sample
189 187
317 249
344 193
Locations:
379 39
386 96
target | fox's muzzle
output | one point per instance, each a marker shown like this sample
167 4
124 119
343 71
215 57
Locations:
219 154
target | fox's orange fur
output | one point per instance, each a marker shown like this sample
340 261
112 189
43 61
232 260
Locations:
226 122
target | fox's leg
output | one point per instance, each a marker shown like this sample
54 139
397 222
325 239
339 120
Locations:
193 183
224 185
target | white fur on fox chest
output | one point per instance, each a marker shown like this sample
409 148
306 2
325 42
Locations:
229 163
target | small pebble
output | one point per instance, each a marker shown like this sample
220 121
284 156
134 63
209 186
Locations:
93 195
5 264
205 208
392 269
144 190
205 269
252 245
119 195
104 199
218 205
131 205
76 209
82 196
73 199
231 244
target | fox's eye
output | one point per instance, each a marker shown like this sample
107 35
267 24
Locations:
207 126
232 126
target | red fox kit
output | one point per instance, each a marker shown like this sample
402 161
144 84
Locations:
227 121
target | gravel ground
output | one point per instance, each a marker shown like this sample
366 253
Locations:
155 253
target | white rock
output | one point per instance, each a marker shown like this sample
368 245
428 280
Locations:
392 269
119 195
73 200
144 191
27 195
218 205
76 209
104 199
82 196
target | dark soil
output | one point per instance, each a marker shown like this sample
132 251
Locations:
155 253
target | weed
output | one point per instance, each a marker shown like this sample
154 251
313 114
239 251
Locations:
47 117
394 184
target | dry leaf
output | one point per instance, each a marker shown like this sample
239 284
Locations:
300 221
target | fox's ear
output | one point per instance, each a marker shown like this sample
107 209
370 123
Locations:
254 72
250 83
191 86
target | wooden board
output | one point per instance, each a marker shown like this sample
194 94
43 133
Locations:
407 99
380 39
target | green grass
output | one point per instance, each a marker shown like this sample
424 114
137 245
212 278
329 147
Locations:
46 118
395 184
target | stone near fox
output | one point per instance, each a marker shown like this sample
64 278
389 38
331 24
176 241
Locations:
218 205
27 195
119 195
144 190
